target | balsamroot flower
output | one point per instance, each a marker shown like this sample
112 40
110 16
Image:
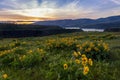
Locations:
5 76
65 66
90 62
85 70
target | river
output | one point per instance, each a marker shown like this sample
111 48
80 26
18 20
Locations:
90 29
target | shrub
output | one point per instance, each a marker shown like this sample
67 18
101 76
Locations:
74 69
97 50
20 58
61 44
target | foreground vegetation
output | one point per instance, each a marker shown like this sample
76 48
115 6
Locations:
74 56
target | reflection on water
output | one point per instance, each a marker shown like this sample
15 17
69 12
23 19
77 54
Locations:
87 29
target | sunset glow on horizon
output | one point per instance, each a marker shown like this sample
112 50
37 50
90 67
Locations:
41 10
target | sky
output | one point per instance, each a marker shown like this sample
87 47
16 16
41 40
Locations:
40 10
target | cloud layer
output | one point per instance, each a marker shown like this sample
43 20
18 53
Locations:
57 9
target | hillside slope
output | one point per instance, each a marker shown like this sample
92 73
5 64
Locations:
83 22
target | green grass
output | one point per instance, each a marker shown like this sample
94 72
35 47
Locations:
48 64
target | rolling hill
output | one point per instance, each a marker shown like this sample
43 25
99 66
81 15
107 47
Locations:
15 30
85 23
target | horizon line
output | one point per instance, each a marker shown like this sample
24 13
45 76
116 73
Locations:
54 19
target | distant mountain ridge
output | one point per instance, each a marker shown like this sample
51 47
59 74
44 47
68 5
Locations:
84 23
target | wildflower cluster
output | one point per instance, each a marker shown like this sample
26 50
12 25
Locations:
97 50
3 75
81 59
20 56
78 66
61 43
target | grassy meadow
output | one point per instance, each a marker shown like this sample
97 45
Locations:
71 56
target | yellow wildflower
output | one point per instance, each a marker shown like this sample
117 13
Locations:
65 66
99 44
89 49
5 76
24 42
79 53
22 57
84 61
30 51
92 45
40 50
90 62
85 70
83 55
75 54
77 61
80 47
77 45
106 48
96 49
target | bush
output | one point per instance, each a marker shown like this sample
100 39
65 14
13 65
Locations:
20 58
97 50
61 44
74 69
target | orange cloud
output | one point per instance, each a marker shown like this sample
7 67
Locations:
22 18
